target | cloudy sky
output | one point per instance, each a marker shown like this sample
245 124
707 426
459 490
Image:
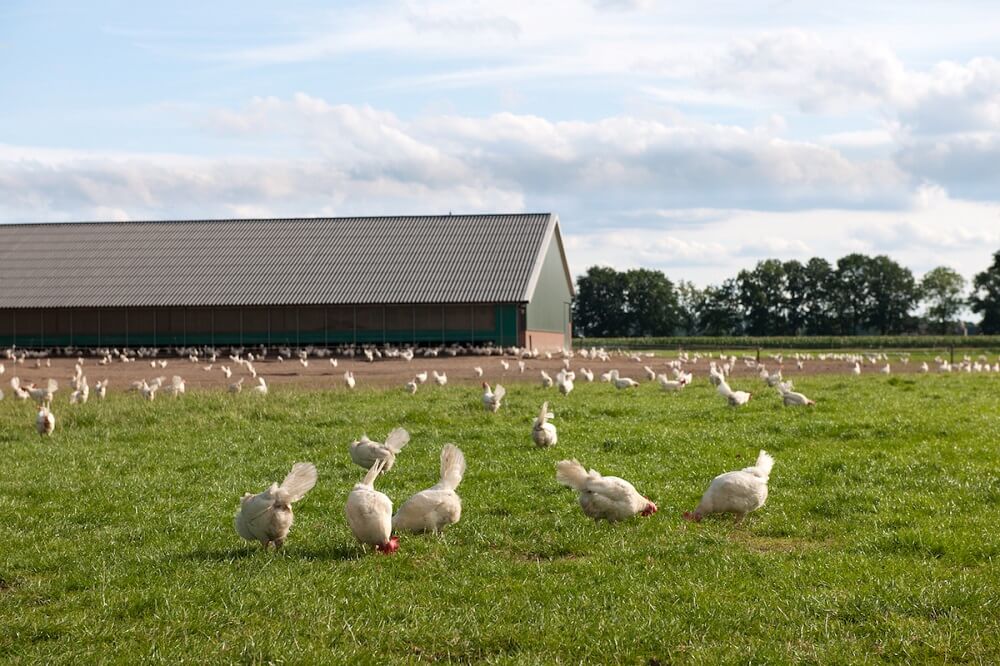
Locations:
694 137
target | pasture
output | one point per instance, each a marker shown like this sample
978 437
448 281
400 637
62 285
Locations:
878 543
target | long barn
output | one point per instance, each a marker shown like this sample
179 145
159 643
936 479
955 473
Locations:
450 279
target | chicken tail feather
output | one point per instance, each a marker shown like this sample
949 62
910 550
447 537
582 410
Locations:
299 481
452 467
571 473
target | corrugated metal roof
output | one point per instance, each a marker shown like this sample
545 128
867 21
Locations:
414 259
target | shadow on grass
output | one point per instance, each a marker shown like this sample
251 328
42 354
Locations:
343 553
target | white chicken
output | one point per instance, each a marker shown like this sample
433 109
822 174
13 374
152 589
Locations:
478 371
369 513
267 517
41 395
237 386
734 398
102 388
671 384
624 383
422 376
792 399
587 374
82 392
564 380
45 422
544 433
737 492
333 362
261 387
886 369
603 497
856 370
227 371
411 386
492 399
176 386
437 507
546 380
440 379
650 375
365 452
349 379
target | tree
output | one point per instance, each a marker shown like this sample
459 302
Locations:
851 296
818 297
893 295
762 297
650 303
599 308
985 299
796 295
720 313
690 301
941 291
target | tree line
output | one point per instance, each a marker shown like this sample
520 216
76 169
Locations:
858 295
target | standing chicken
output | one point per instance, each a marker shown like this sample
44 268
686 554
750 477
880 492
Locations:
45 422
564 380
365 452
266 517
544 433
737 492
792 399
369 513
546 380
437 507
349 379
606 497
735 398
492 399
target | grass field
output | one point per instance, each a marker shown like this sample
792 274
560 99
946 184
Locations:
879 542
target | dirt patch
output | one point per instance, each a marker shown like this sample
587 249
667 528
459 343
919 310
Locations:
763 544
386 373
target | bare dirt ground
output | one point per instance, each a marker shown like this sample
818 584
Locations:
387 373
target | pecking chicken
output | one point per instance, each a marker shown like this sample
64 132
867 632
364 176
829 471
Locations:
737 492
437 507
266 517
606 497
365 452
369 513
544 433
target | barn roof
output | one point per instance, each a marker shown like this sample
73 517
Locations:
350 260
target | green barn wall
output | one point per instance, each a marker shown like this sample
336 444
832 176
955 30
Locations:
201 326
549 307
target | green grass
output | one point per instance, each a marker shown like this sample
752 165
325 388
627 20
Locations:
879 541
811 342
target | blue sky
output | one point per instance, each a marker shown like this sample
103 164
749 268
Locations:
688 136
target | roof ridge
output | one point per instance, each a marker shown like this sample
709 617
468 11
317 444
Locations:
233 220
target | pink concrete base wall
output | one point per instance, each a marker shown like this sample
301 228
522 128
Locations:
544 340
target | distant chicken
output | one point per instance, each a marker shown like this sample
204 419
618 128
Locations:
886 369
365 452
41 395
440 379
369 513
564 381
101 387
236 386
671 384
792 399
82 392
422 376
737 492
587 374
333 362
546 380
856 370
411 386
261 387
349 379
227 371
622 382
478 371
603 497
544 433
176 386
437 507
45 422
492 399
267 516
650 375
735 398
